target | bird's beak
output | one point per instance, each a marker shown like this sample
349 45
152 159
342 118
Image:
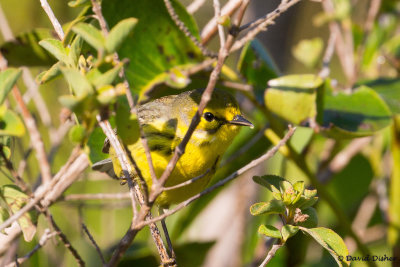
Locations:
240 120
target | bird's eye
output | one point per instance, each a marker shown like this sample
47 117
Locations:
209 116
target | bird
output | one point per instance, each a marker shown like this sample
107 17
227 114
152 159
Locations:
165 122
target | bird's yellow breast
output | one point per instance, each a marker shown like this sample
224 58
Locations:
199 157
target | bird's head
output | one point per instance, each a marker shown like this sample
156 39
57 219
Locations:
220 121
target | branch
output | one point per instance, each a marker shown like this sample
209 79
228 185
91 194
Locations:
101 196
211 27
46 236
242 170
270 254
217 15
264 23
185 30
194 6
52 18
94 243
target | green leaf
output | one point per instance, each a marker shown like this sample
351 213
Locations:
157 44
257 66
56 48
75 50
388 90
270 231
331 242
8 78
310 193
108 77
78 82
119 33
4 215
362 113
90 34
26 51
272 182
305 202
77 134
73 103
271 207
312 220
308 51
293 97
288 231
10 123
16 199
94 146
127 124
50 74
78 3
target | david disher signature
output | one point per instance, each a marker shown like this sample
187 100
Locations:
368 258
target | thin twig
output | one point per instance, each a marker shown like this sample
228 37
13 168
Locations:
194 6
330 48
242 170
94 243
101 196
217 15
268 20
211 27
187 182
270 254
65 240
185 30
53 19
46 236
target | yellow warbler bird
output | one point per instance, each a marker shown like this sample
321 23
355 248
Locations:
165 122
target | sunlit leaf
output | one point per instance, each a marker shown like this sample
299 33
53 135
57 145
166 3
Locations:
77 134
157 44
107 77
77 81
8 78
10 123
16 199
288 231
388 90
270 231
271 207
272 182
50 74
308 51
56 48
293 97
90 34
360 114
119 33
331 242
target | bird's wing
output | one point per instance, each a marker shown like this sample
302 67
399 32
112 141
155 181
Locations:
105 166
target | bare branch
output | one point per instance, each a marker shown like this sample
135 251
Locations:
194 6
330 48
185 30
217 15
65 240
53 19
211 27
46 236
186 182
265 22
270 254
94 243
101 196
